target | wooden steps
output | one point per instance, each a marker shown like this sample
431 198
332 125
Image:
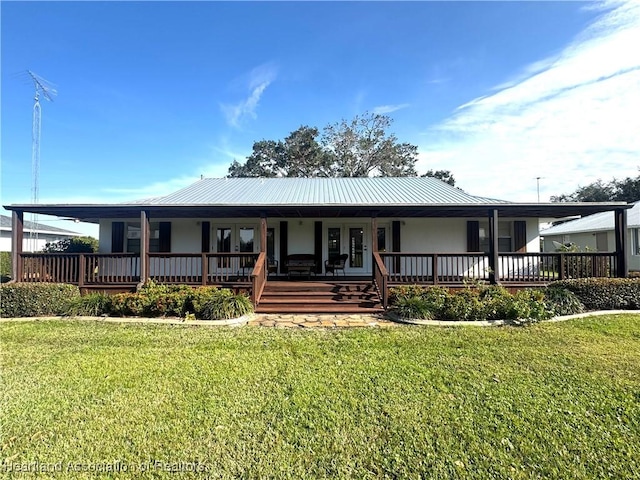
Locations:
337 297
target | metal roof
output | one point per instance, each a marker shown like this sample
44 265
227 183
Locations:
317 191
597 222
5 224
317 197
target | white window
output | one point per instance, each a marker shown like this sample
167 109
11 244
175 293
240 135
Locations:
505 236
635 241
133 237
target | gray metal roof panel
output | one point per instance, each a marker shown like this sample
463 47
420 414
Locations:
5 224
592 223
318 191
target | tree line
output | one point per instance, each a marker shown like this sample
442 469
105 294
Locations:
361 147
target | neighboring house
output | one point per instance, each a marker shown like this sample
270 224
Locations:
597 233
36 235
247 232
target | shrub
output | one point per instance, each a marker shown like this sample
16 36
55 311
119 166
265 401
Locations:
529 304
497 302
225 304
158 300
36 299
435 299
412 307
464 305
561 301
92 304
406 291
605 293
5 266
126 305
72 245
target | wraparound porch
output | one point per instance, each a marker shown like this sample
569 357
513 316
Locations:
249 272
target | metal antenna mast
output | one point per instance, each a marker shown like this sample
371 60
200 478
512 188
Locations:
48 92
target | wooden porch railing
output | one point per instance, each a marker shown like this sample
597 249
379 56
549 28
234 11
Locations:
547 267
258 278
249 269
202 268
455 268
380 279
86 269
435 268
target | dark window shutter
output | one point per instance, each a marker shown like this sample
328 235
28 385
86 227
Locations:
395 236
317 245
395 243
117 237
520 236
206 237
165 237
284 246
473 236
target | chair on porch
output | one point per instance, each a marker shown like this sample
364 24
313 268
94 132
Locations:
272 266
336 264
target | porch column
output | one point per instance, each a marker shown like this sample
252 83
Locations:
144 246
17 238
620 216
263 234
493 247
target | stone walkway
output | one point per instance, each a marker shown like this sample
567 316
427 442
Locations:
320 321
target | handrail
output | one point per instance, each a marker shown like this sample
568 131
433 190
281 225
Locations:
381 278
258 278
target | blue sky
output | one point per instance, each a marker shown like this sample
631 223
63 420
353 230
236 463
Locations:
153 94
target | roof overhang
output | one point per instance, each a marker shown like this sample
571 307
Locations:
93 213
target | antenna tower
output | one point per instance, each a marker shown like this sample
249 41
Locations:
43 87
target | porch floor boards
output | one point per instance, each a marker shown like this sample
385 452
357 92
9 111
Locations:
319 297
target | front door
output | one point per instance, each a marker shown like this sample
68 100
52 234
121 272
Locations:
353 241
235 239
358 259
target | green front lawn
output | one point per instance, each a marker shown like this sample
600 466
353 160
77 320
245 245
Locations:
553 400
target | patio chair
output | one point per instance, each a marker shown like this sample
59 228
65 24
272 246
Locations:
336 264
272 266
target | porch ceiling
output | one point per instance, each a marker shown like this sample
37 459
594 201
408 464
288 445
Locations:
92 213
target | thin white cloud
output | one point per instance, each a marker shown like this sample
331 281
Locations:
384 109
257 82
570 119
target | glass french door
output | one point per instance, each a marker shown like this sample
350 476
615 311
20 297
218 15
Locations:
241 239
356 248
352 240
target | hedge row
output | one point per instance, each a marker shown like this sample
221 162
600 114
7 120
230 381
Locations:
494 302
469 304
605 293
153 300
36 299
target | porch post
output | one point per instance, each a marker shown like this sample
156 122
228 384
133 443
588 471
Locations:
17 237
144 246
263 234
493 247
622 269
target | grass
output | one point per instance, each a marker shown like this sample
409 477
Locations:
554 400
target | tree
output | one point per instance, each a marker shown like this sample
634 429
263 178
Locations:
444 175
72 245
626 190
359 148
299 155
363 147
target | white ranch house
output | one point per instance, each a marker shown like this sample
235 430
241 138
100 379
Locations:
249 232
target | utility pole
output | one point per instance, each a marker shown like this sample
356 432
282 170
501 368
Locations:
538 187
43 87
